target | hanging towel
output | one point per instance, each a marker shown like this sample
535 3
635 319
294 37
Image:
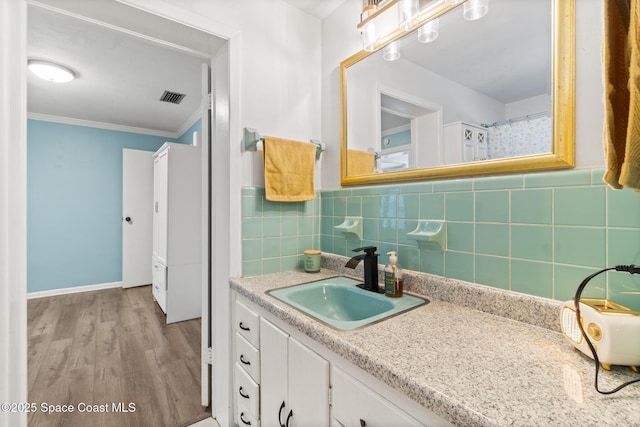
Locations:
288 170
630 173
360 162
621 57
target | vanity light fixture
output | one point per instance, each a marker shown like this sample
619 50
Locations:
369 7
391 52
475 9
429 31
369 36
369 33
407 13
51 71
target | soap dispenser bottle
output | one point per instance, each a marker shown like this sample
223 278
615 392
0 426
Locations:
393 277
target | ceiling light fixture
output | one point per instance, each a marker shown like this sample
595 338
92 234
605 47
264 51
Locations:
475 9
51 71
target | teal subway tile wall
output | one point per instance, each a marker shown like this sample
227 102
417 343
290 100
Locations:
275 235
538 234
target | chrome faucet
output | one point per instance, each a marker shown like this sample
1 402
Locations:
370 258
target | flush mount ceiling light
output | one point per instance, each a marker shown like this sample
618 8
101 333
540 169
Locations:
51 71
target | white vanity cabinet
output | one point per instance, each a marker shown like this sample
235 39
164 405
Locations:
246 367
176 245
294 381
464 142
300 383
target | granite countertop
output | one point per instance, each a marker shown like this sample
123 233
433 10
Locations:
470 367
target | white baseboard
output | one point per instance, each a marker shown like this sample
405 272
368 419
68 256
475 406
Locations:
73 290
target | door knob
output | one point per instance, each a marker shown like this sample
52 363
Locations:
128 219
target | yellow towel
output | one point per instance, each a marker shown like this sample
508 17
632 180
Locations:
288 170
360 162
630 172
621 55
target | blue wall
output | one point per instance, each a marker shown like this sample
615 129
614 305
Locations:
187 137
74 203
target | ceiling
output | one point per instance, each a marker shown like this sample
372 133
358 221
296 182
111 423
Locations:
125 60
505 55
318 8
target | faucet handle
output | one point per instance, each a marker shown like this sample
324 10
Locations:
369 250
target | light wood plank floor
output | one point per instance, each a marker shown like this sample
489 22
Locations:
112 346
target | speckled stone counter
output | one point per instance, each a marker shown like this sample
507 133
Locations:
471 367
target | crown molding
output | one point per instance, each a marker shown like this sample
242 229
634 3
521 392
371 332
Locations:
101 125
192 120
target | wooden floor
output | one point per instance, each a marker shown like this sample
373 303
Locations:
111 347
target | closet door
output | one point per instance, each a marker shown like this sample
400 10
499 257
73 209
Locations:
161 205
156 172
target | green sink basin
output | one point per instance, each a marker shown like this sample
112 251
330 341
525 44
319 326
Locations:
339 303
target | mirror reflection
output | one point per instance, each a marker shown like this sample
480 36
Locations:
454 92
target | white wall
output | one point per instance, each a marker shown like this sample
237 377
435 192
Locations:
340 40
418 86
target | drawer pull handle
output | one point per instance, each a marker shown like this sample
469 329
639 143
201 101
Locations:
246 396
363 423
246 362
244 328
280 414
243 420
289 417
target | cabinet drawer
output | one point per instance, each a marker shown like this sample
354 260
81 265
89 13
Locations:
247 324
354 405
247 394
160 296
248 357
158 274
246 419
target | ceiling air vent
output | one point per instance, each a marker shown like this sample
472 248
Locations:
172 97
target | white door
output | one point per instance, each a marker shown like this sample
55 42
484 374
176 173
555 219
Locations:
205 144
160 205
137 202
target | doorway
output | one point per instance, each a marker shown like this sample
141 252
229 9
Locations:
145 26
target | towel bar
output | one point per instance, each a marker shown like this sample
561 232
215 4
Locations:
252 137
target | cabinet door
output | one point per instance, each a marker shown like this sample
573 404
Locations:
273 378
354 405
161 196
308 387
156 172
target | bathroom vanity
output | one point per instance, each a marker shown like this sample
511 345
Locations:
443 363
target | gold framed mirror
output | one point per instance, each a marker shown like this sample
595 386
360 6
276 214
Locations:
491 81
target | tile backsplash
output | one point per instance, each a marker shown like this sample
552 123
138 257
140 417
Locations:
538 234
275 234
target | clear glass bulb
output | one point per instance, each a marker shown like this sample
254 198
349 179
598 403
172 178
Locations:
407 12
429 31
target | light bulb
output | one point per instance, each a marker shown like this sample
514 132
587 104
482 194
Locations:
475 9
429 31
391 52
